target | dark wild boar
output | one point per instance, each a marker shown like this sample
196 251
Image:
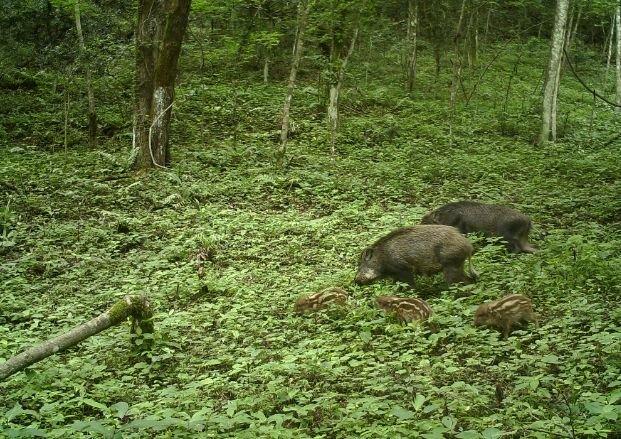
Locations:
321 300
406 309
503 314
490 219
418 250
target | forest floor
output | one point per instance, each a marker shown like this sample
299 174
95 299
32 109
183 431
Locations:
230 359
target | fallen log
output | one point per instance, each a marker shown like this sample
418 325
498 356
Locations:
137 307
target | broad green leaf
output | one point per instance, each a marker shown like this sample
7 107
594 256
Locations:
491 433
419 400
401 413
121 409
469 434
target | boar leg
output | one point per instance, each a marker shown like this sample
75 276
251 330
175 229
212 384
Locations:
406 277
525 246
506 329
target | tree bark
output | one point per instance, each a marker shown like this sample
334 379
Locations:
472 38
456 65
136 307
159 33
618 57
92 112
303 10
610 42
574 31
411 36
487 20
335 90
66 112
559 72
548 126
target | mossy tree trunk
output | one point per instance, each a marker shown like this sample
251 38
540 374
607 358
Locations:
137 307
160 28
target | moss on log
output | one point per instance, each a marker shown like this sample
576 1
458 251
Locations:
136 307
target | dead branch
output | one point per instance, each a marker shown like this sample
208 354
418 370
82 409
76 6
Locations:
137 307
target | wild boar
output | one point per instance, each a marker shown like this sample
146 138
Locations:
405 309
321 300
503 314
489 219
417 250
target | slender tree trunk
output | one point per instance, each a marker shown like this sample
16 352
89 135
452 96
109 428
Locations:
610 40
472 39
548 127
335 89
92 112
456 64
437 57
411 35
574 31
487 20
66 112
568 31
136 307
160 29
198 37
559 73
618 57
267 55
303 10
367 63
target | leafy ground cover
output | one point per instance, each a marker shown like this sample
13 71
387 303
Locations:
224 243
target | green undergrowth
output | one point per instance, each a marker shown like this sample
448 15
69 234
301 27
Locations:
223 243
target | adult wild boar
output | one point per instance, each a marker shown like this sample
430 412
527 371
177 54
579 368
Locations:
418 250
489 219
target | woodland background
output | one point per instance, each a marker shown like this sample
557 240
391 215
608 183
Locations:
240 222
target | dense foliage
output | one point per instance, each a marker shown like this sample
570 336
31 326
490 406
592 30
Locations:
224 242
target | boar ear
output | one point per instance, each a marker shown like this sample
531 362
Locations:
367 254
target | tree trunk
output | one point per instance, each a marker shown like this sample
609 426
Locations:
548 127
559 72
487 20
574 31
66 112
303 10
610 40
472 39
568 31
411 35
159 33
335 89
266 69
456 65
618 57
92 112
136 307
437 57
